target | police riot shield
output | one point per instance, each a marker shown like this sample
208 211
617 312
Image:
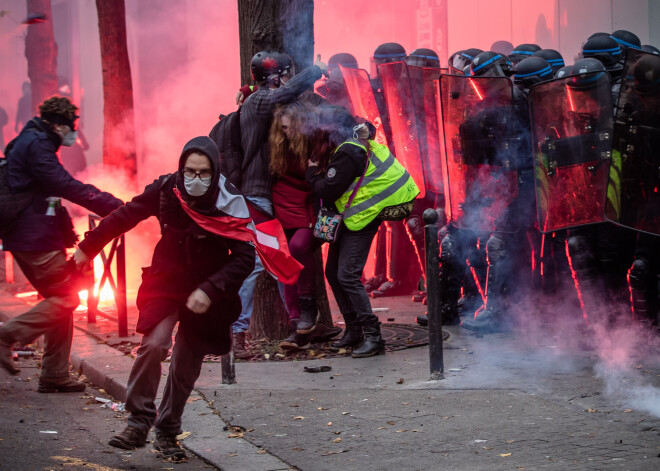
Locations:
431 139
571 140
401 112
632 193
333 89
362 100
482 141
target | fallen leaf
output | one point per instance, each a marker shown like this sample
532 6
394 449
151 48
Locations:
341 351
336 440
235 435
592 410
390 422
402 430
232 454
261 452
382 428
487 447
294 405
190 400
505 454
405 403
628 410
400 381
322 408
345 413
329 424
510 441
298 417
183 435
337 433
267 356
297 448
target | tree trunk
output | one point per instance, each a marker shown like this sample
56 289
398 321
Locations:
285 25
118 122
41 52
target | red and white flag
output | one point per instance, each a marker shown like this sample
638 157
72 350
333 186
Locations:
236 222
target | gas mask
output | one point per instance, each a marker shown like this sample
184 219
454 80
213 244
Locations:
196 186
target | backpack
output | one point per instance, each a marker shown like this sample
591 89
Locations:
227 136
11 204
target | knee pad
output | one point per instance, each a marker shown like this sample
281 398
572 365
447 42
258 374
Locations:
581 252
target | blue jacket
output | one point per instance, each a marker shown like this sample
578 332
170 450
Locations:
33 164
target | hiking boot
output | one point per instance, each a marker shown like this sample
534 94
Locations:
423 320
65 384
239 346
130 438
6 360
309 316
169 447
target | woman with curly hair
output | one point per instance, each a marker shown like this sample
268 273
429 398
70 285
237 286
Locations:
294 207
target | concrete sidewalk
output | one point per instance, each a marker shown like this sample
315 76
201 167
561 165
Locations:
523 400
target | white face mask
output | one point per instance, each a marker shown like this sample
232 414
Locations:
70 138
196 186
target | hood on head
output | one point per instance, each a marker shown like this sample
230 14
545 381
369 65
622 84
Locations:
203 145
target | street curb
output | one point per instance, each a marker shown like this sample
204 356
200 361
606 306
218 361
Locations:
109 369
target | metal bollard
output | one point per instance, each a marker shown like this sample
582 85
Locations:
228 368
434 313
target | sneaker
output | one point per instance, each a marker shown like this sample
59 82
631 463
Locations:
130 438
66 384
6 360
169 448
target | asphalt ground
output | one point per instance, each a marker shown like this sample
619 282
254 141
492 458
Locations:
547 395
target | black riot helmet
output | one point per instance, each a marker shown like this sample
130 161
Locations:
344 59
600 33
564 71
461 60
269 66
523 51
626 40
587 74
651 49
491 64
532 70
606 50
423 57
647 75
387 52
552 57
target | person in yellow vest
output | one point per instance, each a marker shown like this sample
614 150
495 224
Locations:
362 180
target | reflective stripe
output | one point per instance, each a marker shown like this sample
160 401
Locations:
489 61
381 168
614 51
377 198
544 71
626 43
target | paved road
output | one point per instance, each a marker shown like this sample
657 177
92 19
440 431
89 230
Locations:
65 431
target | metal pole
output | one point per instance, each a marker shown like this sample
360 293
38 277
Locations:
92 301
120 294
228 369
433 294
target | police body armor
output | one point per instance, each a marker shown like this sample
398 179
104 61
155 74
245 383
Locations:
633 200
483 140
571 140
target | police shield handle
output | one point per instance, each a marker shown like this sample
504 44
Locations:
322 65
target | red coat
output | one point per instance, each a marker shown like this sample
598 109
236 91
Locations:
293 199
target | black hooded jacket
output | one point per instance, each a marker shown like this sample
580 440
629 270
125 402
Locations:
186 257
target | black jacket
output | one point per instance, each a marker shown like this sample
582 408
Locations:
185 258
33 164
256 118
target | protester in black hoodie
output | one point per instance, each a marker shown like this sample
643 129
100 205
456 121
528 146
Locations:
193 279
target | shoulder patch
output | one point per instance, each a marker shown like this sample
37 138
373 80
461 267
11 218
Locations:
331 172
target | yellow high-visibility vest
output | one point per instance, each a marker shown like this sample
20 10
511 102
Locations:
386 183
